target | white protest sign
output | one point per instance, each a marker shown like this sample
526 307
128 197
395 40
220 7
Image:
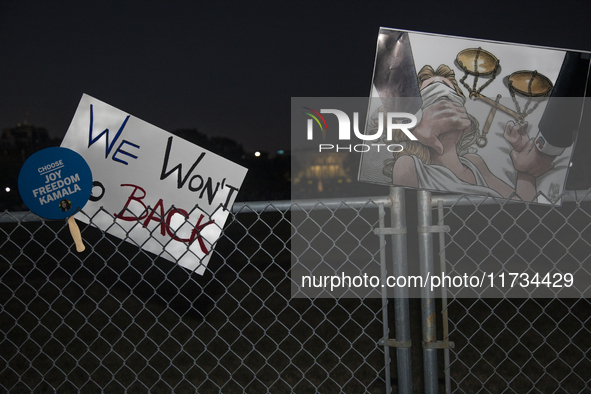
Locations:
151 188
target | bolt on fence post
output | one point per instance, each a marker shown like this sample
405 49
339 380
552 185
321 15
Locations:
402 315
427 294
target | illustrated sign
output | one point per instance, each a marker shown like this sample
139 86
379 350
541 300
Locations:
55 182
151 188
493 118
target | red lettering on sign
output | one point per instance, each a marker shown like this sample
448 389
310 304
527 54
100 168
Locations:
196 233
157 214
131 198
150 217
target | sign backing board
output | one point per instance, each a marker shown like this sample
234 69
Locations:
151 188
516 97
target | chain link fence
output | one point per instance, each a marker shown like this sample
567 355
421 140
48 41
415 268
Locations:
117 319
517 344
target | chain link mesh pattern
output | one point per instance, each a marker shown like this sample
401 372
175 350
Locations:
513 344
115 318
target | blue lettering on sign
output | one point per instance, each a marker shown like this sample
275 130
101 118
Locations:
110 145
119 150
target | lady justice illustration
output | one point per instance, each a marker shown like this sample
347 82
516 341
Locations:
468 141
442 157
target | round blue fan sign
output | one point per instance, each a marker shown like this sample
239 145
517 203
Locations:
55 182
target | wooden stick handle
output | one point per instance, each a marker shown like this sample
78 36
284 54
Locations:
75 231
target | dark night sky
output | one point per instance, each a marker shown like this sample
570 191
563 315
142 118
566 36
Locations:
230 68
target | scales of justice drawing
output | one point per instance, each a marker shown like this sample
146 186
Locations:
523 105
483 64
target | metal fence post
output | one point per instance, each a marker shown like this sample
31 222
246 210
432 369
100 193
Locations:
385 325
425 230
444 305
402 315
